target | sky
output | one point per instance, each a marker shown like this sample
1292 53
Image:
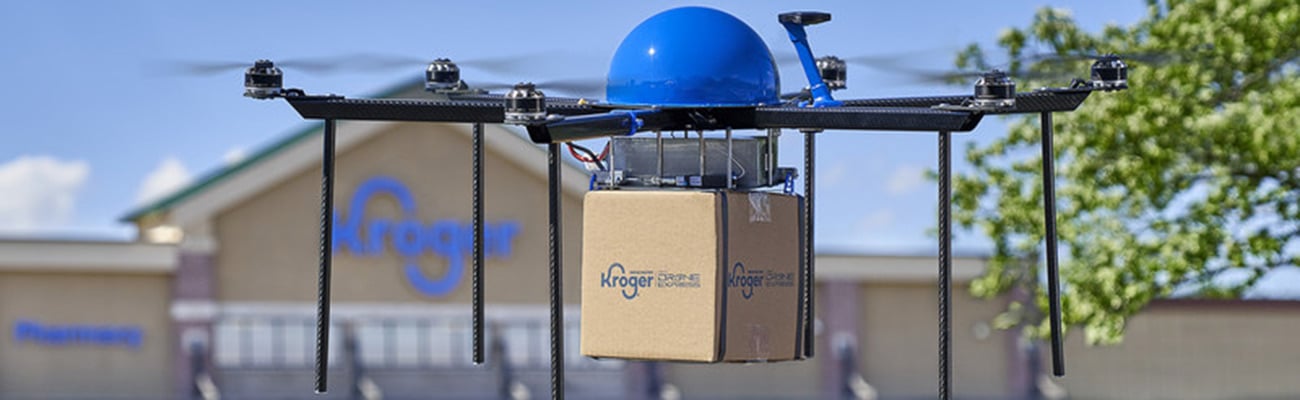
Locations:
97 122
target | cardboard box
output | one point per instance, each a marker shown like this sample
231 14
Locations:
702 276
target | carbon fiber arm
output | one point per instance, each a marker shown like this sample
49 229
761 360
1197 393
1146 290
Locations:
485 110
1048 100
919 102
866 118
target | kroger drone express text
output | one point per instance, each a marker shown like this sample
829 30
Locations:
448 239
630 282
748 279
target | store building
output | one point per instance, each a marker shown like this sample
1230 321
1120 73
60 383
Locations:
217 297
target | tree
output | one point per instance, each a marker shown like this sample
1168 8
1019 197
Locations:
1187 182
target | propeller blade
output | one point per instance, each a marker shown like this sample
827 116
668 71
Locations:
1147 57
500 64
207 68
968 77
365 61
1155 57
576 86
886 60
200 68
495 64
358 62
1037 66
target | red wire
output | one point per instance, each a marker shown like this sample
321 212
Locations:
578 156
604 153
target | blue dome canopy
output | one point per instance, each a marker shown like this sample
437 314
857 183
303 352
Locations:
692 57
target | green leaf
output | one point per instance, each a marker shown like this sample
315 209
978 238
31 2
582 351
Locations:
1190 174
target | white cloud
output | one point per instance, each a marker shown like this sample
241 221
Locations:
878 231
835 175
876 222
167 177
905 179
39 191
234 155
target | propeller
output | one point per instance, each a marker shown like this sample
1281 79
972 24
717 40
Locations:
894 59
318 65
834 69
356 62
1144 57
592 87
1056 66
965 77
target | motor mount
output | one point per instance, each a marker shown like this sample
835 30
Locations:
1109 73
995 90
834 72
263 80
442 75
525 104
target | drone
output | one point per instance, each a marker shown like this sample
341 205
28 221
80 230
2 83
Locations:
694 69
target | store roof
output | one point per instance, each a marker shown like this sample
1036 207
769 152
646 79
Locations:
220 174
261 156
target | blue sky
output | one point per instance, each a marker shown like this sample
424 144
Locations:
94 123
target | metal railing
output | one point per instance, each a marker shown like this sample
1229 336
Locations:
267 342
250 342
201 385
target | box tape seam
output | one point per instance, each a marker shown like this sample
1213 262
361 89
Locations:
726 262
801 324
760 209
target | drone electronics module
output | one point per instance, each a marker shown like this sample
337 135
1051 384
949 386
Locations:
689 71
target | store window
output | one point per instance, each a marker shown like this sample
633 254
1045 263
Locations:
269 342
396 343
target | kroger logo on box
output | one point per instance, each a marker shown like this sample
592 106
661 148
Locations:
748 279
631 282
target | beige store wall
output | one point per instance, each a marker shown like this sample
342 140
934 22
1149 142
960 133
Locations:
898 341
786 380
268 244
85 370
897 344
1188 349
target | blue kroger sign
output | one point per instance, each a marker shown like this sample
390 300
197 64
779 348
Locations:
28 331
448 239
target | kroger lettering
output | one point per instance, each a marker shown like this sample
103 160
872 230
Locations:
28 331
447 239
624 280
747 280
